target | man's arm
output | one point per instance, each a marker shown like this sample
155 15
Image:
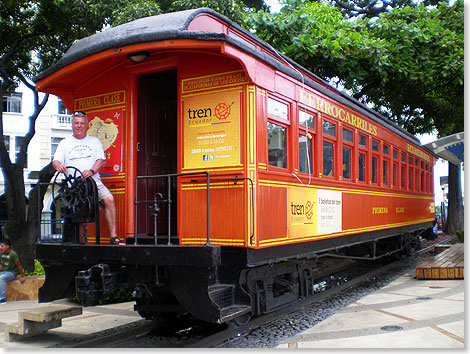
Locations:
20 268
97 166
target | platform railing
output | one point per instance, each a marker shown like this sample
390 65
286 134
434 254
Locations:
168 177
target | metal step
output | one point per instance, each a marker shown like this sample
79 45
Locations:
231 312
222 294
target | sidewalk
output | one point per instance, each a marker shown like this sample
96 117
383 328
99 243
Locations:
93 319
408 313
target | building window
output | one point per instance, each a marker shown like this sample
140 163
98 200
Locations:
62 109
18 142
6 139
54 142
277 145
12 102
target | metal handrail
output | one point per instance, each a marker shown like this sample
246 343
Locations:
168 177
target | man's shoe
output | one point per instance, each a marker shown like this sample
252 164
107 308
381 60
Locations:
116 241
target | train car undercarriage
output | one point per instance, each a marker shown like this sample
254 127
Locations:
215 284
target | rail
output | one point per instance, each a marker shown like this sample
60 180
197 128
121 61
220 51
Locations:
169 201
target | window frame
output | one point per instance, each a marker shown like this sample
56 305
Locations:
304 130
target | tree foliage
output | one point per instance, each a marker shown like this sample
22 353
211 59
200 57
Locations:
407 63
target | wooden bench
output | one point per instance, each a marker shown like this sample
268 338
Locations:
448 264
39 320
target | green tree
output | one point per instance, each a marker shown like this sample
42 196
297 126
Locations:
407 62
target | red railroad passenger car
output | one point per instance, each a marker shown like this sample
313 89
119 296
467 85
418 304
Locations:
258 168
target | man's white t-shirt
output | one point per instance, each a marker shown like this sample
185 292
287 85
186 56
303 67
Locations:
80 153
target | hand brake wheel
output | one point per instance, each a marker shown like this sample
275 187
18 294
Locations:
70 194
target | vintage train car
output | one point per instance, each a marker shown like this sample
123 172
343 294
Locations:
233 169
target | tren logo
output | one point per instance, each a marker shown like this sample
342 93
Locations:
301 209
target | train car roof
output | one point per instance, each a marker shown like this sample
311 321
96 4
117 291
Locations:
175 26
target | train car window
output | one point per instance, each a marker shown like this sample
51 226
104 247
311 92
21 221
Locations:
416 162
305 154
329 128
362 167
362 140
386 150
416 180
328 159
395 154
346 163
394 174
403 157
410 178
423 183
385 173
278 109
306 119
375 146
402 176
374 169
410 160
422 165
347 135
277 145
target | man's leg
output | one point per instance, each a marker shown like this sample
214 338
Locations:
5 277
110 215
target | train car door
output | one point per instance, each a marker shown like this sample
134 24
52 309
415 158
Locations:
157 148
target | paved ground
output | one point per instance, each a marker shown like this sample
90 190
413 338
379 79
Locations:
93 319
407 313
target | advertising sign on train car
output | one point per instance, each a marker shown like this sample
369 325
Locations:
212 129
105 116
312 212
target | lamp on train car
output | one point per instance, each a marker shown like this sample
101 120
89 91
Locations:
138 57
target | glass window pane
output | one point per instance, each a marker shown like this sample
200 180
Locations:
306 119
54 143
403 157
362 141
386 149
328 159
402 177
410 178
385 173
410 160
362 167
375 145
394 174
278 109
395 154
347 135
329 128
277 146
346 163
416 180
374 169
305 154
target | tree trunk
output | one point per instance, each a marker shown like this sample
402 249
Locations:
455 217
27 232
